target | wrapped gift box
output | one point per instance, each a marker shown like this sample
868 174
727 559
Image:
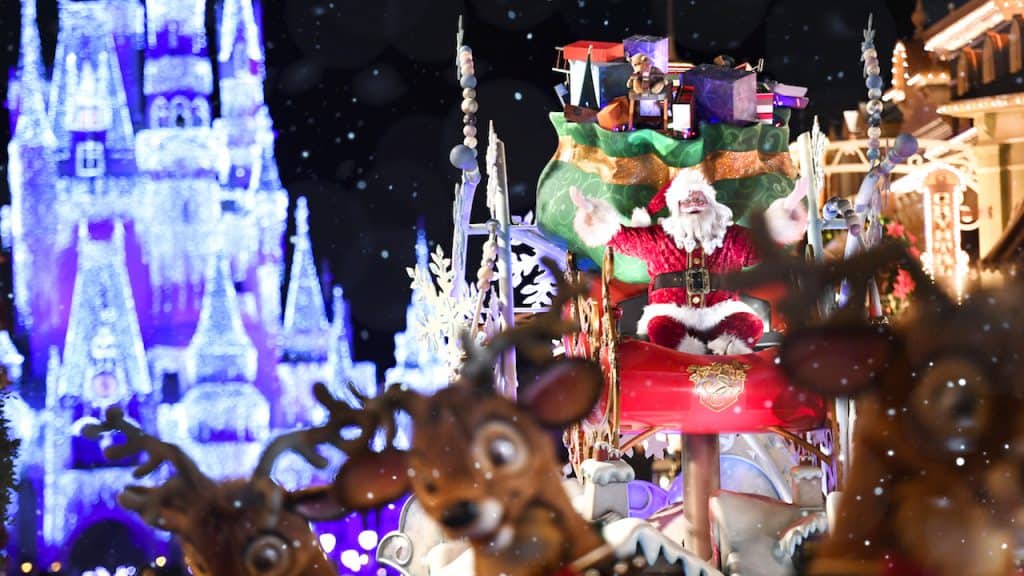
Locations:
607 82
656 48
766 107
723 94
787 96
599 51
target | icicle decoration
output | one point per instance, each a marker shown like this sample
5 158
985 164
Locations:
872 73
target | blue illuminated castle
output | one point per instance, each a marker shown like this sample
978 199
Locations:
147 243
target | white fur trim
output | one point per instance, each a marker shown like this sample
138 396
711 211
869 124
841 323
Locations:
597 224
786 227
640 218
699 319
728 345
687 180
691 345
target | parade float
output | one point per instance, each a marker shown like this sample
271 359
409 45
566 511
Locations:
745 460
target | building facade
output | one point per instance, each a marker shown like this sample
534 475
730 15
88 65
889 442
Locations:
147 240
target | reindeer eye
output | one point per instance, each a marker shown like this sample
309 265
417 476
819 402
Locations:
502 451
268 555
500 446
950 401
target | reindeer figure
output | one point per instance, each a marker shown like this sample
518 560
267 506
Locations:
240 527
483 465
936 482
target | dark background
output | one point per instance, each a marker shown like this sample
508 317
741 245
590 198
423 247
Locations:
364 98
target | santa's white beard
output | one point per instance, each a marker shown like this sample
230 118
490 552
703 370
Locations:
706 229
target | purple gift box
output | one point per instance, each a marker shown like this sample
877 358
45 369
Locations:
784 101
656 48
723 94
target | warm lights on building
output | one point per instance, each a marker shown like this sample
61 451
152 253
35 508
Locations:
968 27
972 105
943 189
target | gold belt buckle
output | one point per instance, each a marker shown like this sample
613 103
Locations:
698 281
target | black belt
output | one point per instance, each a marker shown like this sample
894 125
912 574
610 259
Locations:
696 280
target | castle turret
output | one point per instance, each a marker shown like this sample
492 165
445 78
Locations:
415 366
240 64
178 75
89 111
32 175
220 350
304 333
104 359
345 372
181 157
222 403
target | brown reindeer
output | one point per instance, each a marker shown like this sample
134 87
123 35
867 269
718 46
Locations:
483 465
936 481
241 527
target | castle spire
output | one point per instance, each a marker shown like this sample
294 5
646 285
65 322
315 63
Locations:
304 334
239 39
104 359
269 177
340 352
220 350
31 126
87 95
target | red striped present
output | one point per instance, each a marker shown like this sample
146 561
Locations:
766 107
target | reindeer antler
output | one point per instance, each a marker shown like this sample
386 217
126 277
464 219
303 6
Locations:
305 442
813 279
148 501
141 442
376 413
532 338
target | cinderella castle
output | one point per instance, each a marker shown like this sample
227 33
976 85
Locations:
147 241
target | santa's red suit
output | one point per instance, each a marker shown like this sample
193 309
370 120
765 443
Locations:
685 254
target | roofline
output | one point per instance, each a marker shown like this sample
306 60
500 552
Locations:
979 14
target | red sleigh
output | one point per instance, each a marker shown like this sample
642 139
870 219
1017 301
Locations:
650 386
651 389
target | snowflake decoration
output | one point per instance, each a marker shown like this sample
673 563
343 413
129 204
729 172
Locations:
444 314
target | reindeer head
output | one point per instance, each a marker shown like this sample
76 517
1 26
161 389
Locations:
483 465
240 527
937 472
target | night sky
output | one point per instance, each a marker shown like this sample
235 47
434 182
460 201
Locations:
364 97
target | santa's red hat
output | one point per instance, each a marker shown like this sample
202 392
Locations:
687 180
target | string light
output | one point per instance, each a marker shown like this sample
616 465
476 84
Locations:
972 25
982 104
943 258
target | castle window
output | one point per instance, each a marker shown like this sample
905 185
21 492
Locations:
172 34
159 114
181 112
89 159
965 65
200 112
992 56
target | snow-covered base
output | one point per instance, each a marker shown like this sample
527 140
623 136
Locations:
632 536
805 528
605 473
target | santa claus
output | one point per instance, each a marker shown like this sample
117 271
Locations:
685 253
